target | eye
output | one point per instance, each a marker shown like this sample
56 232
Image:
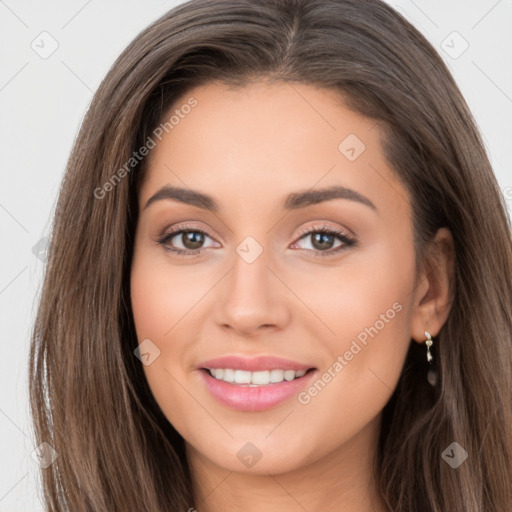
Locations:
324 238
191 240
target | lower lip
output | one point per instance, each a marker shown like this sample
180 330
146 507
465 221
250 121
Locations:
251 399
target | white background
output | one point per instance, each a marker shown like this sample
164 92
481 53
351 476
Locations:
42 102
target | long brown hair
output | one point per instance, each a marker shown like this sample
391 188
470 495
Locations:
89 398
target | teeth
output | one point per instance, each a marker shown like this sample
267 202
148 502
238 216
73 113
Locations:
260 378
276 375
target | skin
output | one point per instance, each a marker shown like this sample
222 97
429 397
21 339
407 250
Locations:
249 148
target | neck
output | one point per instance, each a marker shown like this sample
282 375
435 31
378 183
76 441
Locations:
343 480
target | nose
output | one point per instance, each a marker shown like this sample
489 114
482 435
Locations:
252 298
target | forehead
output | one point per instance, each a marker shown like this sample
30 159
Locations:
256 143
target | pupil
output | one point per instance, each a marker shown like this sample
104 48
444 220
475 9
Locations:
319 240
193 239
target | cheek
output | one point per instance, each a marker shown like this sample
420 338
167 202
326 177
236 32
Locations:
366 297
162 297
368 311
170 306
163 301
150 300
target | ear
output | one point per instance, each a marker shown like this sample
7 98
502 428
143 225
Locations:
435 288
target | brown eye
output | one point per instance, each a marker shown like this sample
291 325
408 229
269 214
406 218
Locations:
323 240
191 239
185 241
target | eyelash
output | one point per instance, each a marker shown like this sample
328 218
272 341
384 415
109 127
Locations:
347 240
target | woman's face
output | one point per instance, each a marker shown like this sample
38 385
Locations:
262 286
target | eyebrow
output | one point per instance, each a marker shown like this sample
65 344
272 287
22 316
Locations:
293 201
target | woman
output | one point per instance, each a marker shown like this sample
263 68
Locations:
270 281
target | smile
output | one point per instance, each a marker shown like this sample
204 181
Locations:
254 384
261 378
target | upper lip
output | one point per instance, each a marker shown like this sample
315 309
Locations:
253 364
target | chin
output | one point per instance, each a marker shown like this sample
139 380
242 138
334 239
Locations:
257 455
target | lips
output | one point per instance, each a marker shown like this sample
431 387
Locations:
254 384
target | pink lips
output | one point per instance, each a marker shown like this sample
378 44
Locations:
245 398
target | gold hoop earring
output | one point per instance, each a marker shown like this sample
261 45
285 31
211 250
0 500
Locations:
428 342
